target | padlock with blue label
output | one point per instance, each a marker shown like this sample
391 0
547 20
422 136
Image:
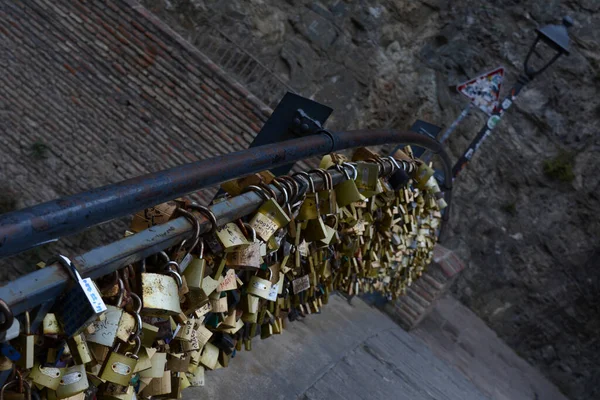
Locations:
80 305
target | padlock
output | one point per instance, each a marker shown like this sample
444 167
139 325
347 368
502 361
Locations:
105 330
209 356
422 175
50 325
247 257
73 381
269 217
196 378
310 205
160 293
24 344
194 273
158 360
79 305
327 197
26 395
178 362
158 386
46 376
118 368
315 230
260 287
231 237
346 192
112 391
79 349
367 178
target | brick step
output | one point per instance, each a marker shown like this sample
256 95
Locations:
414 294
405 320
407 309
413 304
426 287
438 286
422 292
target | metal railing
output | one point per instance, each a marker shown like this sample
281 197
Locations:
30 227
234 58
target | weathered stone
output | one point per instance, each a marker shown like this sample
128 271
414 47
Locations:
316 29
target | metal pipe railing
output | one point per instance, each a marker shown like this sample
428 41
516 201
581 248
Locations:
30 227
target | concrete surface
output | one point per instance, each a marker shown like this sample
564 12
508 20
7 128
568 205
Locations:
347 352
455 334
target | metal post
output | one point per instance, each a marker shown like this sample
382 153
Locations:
490 124
457 121
427 156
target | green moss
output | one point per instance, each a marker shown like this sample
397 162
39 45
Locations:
560 168
8 202
510 208
39 150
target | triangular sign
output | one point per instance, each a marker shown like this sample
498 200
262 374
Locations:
484 90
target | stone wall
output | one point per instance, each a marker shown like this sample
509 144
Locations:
525 217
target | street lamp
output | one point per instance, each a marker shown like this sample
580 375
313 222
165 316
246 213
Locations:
552 41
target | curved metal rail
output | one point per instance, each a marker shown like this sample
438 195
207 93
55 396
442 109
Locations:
30 227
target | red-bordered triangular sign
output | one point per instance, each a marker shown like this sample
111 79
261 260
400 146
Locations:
484 90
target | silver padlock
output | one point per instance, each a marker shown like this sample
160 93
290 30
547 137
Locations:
160 293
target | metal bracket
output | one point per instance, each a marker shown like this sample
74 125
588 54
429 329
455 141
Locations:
303 124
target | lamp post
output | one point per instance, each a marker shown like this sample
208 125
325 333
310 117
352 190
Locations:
552 39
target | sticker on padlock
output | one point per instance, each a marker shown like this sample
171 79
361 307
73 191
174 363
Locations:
74 380
46 376
79 305
301 284
118 368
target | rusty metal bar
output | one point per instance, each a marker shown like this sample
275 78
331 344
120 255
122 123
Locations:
29 291
23 229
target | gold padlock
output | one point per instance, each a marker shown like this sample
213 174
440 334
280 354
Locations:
327 197
118 368
47 377
231 237
158 361
346 191
367 177
260 287
424 172
310 205
210 356
247 257
79 349
269 217
194 273
74 380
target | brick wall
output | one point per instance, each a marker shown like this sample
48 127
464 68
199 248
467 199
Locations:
95 92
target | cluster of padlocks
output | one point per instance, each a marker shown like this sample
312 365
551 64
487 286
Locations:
152 328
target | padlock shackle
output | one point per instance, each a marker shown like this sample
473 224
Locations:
252 231
282 188
325 175
353 168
